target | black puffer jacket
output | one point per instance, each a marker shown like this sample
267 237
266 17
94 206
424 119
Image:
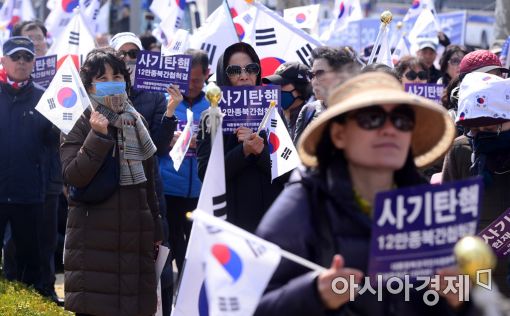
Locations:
316 217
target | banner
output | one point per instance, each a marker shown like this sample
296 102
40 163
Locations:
415 229
497 235
44 70
431 91
155 72
246 106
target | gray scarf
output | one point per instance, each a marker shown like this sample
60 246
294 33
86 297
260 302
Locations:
133 140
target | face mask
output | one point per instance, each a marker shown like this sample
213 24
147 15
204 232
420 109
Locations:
110 88
287 99
491 142
131 66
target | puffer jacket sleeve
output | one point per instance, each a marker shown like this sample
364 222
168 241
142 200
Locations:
82 153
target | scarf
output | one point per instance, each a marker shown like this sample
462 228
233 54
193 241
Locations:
133 140
491 155
16 85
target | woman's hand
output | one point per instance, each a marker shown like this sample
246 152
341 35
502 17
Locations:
174 100
325 283
243 133
254 144
99 123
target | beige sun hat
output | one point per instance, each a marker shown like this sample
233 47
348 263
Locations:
433 133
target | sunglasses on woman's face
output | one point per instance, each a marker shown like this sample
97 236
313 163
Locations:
26 57
133 53
455 61
236 70
402 117
411 75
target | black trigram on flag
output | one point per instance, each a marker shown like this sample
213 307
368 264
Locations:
94 15
286 153
228 304
178 22
86 3
247 18
273 123
64 22
265 37
256 248
17 4
51 103
67 78
210 49
74 38
305 54
177 46
67 116
219 205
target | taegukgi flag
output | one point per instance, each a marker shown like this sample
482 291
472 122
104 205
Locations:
181 146
65 99
238 266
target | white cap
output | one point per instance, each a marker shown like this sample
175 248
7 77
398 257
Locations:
484 99
125 37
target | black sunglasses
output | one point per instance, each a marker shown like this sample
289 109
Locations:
133 53
236 70
411 75
402 117
317 74
26 57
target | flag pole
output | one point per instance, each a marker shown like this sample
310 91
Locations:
272 104
287 255
386 18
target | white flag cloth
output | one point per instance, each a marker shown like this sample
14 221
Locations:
160 265
65 99
238 266
384 55
275 40
191 298
215 35
76 40
91 15
417 6
424 29
103 18
283 154
179 43
12 12
305 17
402 49
238 7
171 13
344 12
60 16
178 152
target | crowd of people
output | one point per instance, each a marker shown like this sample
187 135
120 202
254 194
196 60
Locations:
356 129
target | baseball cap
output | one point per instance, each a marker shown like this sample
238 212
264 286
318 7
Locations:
480 61
18 43
483 100
125 37
427 44
291 72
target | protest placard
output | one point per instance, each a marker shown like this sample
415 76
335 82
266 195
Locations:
431 91
44 70
497 234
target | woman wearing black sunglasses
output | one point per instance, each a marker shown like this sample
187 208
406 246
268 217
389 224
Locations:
247 164
411 70
371 138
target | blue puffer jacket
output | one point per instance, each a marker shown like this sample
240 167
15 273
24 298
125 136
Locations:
25 136
185 182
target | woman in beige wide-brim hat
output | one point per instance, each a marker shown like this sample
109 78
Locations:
371 139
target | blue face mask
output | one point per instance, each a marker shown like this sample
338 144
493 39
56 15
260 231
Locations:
287 99
110 88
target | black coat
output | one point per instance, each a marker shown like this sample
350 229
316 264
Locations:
314 218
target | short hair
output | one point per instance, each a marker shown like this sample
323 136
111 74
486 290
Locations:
445 59
378 67
407 62
94 66
27 26
336 58
198 58
147 40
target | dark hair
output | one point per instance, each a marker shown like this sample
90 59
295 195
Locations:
198 58
336 58
94 66
376 67
241 47
407 62
27 26
305 90
448 100
447 55
328 155
147 40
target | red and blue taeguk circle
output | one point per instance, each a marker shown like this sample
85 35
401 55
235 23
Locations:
341 10
300 18
229 259
69 5
67 97
480 100
269 65
181 4
416 4
239 30
15 19
274 142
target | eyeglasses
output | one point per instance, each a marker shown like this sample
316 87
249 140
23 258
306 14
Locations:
402 117
455 61
411 75
26 57
236 70
131 53
318 74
